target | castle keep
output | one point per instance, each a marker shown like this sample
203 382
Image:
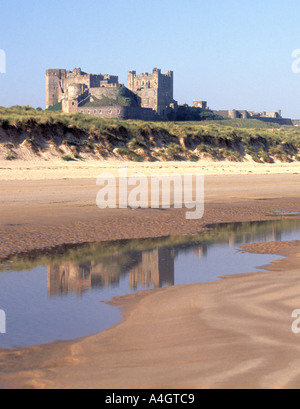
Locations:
154 90
148 97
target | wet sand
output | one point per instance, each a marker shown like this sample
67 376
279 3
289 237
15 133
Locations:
43 214
233 333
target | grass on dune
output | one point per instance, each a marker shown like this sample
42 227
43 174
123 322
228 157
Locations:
228 139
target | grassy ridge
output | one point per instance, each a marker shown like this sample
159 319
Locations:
247 123
138 140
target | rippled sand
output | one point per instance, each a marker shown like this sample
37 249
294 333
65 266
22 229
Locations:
234 333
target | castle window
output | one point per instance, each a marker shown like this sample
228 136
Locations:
73 103
100 112
95 112
89 112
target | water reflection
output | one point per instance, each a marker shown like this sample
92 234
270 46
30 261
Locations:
77 278
155 267
57 296
149 268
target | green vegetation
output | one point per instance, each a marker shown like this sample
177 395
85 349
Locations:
124 98
127 98
185 113
10 157
247 123
54 108
67 158
103 102
136 144
138 140
170 153
128 154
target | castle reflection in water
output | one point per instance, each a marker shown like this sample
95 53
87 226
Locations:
155 268
143 269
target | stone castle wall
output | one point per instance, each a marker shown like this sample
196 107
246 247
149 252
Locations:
223 113
271 117
120 112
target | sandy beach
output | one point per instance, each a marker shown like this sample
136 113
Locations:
234 333
56 169
46 207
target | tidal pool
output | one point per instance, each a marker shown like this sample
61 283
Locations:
63 297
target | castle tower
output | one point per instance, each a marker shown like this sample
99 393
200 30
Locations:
233 114
170 75
130 79
155 90
54 86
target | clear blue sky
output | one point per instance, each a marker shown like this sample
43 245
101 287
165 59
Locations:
234 54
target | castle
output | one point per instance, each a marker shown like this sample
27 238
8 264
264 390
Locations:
147 97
